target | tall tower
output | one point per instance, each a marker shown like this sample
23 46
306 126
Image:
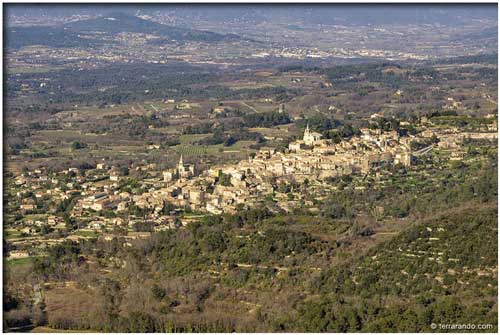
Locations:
281 108
180 166
307 131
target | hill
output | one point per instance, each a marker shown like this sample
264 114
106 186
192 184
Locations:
346 14
19 37
70 34
439 271
114 23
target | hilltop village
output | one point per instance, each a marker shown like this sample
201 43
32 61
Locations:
312 160
105 202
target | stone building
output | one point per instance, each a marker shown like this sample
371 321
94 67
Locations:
184 171
311 137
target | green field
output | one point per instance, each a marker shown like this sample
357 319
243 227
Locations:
218 149
53 330
199 149
192 138
31 69
19 261
272 132
86 233
36 216
10 234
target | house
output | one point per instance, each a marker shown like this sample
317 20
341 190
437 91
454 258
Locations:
101 204
295 146
28 205
101 166
213 209
114 175
428 133
183 106
20 181
28 230
52 220
168 176
15 254
124 195
138 235
118 221
218 110
122 206
96 225
196 196
403 158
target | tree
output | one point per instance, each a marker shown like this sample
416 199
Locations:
77 145
45 229
140 322
158 292
224 179
333 210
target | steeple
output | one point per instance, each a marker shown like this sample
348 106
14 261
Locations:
181 162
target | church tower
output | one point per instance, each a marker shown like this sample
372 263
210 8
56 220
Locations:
180 166
306 132
311 137
184 171
281 108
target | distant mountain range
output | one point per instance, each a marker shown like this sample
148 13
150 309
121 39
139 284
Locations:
347 14
340 14
110 19
117 22
488 33
19 37
69 35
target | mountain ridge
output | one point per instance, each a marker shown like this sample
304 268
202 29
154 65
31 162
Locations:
110 24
